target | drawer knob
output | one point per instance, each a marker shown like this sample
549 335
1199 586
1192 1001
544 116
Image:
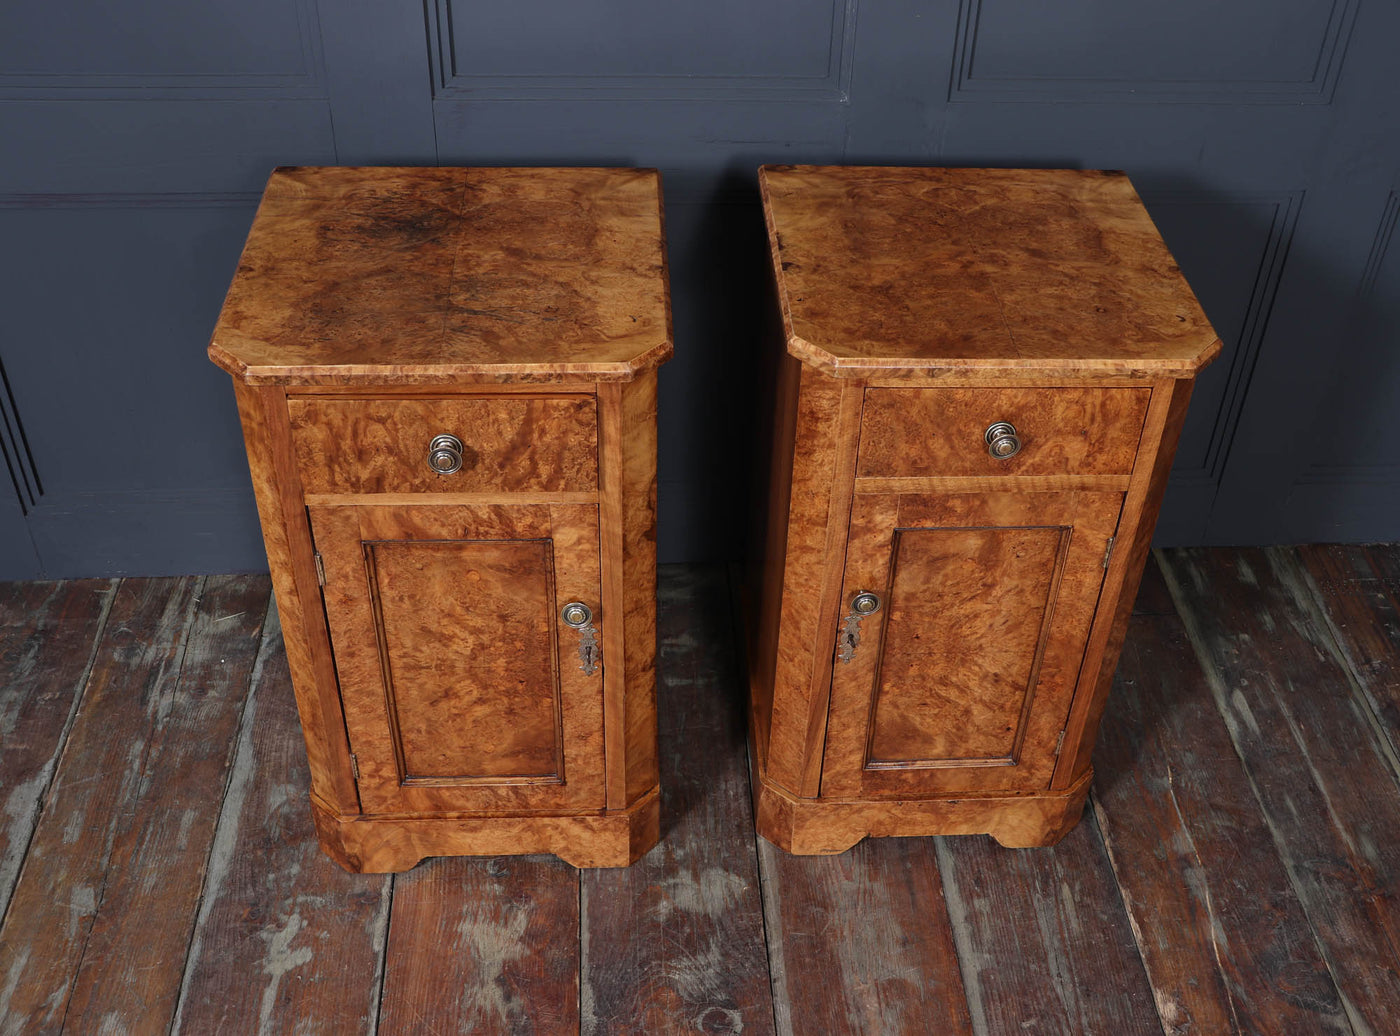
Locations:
445 454
1002 441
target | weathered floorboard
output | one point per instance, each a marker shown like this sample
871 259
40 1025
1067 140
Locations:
675 943
1313 757
49 634
1227 945
483 945
860 942
1358 589
130 975
1043 938
101 917
286 940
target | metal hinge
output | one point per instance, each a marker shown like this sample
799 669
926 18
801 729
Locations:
1059 744
1108 550
320 569
355 765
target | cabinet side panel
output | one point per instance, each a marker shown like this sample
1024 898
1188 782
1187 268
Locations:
826 435
1165 416
627 462
287 538
764 578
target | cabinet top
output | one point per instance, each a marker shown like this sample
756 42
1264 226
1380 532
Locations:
884 269
407 276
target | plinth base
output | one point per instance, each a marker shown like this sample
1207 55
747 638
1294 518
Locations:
378 845
815 827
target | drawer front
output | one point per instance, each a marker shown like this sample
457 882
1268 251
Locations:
509 443
943 431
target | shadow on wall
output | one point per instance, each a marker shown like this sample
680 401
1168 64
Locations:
718 251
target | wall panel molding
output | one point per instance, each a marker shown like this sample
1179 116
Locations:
14 448
1243 352
452 81
148 533
1322 473
967 84
307 80
1380 246
132 200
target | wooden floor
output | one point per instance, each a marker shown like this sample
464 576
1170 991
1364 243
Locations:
1239 870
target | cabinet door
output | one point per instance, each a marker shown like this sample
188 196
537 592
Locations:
463 689
961 681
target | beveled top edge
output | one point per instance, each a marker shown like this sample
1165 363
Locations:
1079 369
244 356
444 374
836 363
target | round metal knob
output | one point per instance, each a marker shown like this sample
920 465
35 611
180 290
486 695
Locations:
1002 441
445 454
865 603
576 615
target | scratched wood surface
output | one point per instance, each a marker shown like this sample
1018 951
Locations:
130 816
977 269
285 940
674 943
423 275
1237 873
1044 943
49 631
1310 749
483 945
1220 926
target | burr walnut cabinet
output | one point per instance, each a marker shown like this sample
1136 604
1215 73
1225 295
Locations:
984 378
447 382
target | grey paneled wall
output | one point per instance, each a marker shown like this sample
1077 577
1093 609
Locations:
1263 134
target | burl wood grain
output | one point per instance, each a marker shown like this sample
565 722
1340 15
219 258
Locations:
908 433
977 269
287 540
452 659
826 431
511 443
968 615
469 655
989 636
819 827
600 838
627 505
428 275
1166 414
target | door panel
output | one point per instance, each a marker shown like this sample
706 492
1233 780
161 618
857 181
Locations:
481 658
969 611
461 687
963 679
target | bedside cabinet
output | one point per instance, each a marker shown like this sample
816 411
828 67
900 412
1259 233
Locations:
447 383
982 378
